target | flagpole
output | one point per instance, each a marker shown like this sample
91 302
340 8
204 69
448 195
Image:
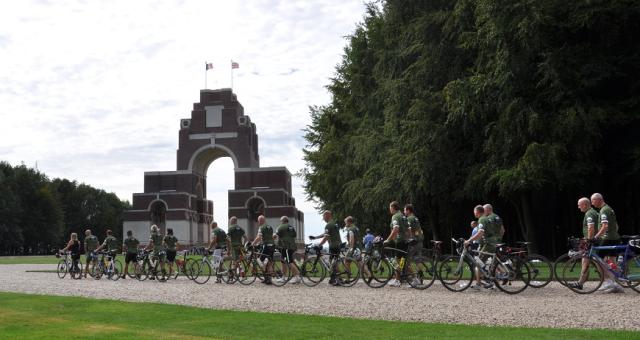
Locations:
232 76
205 75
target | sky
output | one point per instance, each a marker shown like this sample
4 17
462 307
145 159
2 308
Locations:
94 91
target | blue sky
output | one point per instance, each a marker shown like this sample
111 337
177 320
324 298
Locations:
94 91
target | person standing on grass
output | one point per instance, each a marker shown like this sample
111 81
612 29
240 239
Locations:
286 238
589 224
170 243
90 245
130 247
73 246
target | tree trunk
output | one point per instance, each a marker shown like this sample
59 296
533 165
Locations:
528 222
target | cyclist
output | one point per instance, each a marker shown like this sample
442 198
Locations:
367 240
90 245
415 230
265 238
496 220
487 235
235 239
73 246
609 236
589 224
354 243
130 246
155 242
170 243
398 237
331 234
286 237
111 244
218 240
474 230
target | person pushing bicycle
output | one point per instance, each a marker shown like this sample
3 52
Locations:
170 243
130 246
110 243
90 245
265 240
235 238
155 242
398 237
331 234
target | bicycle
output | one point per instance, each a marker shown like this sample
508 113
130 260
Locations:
69 265
626 271
279 272
183 265
577 246
211 263
314 269
147 265
506 269
540 267
111 269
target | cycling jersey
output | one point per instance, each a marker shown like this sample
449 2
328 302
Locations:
111 244
287 236
170 242
90 243
267 233
235 234
608 216
399 221
332 230
156 238
590 217
220 235
355 232
131 245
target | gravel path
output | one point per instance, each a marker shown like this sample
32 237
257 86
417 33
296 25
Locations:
552 306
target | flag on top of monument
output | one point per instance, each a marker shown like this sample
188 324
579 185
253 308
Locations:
234 64
208 66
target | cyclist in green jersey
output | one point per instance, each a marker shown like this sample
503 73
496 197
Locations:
495 221
286 237
398 237
332 235
155 243
267 246
235 239
130 246
90 245
589 223
170 243
217 243
415 230
486 234
110 244
609 236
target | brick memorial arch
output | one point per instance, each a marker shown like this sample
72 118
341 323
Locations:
177 199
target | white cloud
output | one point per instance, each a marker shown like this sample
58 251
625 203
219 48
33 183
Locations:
94 91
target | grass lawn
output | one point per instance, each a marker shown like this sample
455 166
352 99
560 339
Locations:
39 316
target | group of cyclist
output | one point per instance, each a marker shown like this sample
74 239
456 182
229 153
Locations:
599 226
405 237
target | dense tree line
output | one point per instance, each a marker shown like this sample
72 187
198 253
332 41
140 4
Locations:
445 104
38 214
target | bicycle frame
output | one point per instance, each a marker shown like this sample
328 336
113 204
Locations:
618 274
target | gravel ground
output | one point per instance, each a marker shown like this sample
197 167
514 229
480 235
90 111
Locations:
552 306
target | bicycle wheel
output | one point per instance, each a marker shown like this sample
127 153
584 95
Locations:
592 276
62 268
347 272
312 271
200 271
456 274
376 271
281 273
142 270
114 270
632 273
162 271
541 270
76 272
513 276
189 268
246 276
558 268
225 273
420 273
